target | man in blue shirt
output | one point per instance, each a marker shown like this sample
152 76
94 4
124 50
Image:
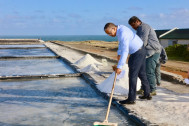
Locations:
130 43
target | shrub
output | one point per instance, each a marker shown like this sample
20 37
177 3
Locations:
178 52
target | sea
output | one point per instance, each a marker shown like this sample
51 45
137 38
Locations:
63 37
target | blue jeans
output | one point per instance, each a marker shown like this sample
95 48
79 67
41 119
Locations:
151 64
137 68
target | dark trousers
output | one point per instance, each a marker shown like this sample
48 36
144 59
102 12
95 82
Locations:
137 68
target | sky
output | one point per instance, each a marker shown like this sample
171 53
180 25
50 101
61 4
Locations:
87 17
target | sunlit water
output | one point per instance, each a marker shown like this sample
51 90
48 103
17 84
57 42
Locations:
21 46
33 67
25 52
53 102
48 102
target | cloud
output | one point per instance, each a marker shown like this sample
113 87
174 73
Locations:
176 18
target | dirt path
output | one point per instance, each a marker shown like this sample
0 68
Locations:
109 49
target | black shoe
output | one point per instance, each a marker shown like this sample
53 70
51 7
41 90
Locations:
145 97
127 102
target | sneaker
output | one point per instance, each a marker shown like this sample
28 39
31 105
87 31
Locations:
145 97
153 93
141 91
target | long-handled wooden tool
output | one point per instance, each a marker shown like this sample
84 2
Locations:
106 123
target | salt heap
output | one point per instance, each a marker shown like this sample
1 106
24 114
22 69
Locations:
121 86
86 60
88 64
90 68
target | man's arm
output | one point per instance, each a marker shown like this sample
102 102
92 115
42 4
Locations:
124 46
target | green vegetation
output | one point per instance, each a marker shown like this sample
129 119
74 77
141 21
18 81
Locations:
178 52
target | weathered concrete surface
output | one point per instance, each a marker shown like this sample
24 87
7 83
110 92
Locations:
171 77
53 102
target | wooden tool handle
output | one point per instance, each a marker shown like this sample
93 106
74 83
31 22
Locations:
110 101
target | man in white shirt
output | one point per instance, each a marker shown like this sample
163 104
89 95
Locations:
130 43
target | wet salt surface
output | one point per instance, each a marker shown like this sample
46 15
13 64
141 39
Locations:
20 46
26 52
53 102
33 67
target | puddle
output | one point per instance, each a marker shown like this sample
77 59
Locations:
33 67
21 46
25 52
53 102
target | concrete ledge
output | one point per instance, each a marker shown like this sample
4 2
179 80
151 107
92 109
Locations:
39 76
171 77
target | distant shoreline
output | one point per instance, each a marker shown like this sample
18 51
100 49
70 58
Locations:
62 37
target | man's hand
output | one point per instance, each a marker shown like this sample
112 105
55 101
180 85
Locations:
114 67
117 70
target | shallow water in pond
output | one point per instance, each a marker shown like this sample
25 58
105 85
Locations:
25 52
53 102
20 46
33 67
